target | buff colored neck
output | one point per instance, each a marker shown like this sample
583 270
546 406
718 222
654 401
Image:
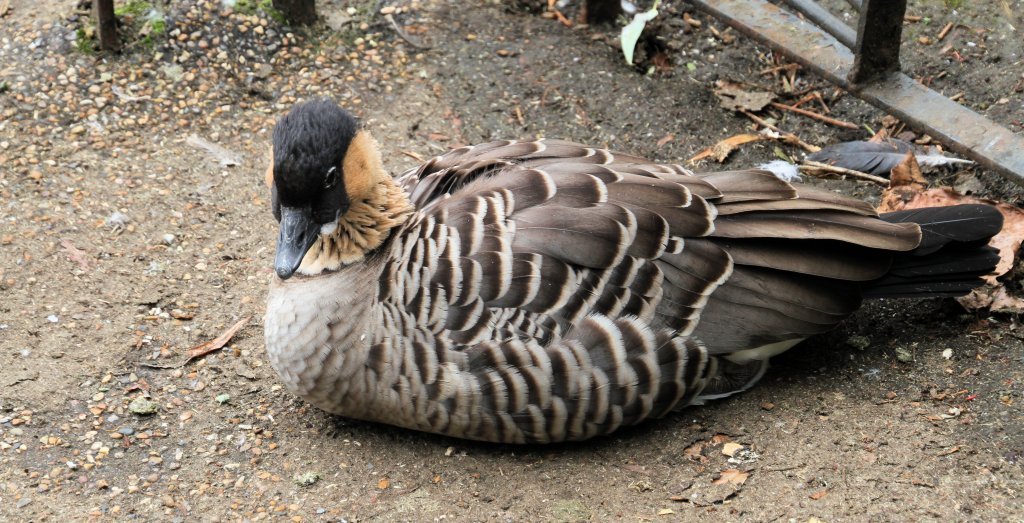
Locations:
377 206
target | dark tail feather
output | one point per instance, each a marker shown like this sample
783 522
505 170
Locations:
952 257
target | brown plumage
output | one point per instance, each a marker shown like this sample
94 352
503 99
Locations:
543 291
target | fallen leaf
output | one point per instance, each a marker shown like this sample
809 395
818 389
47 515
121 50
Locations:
729 449
694 452
907 173
667 138
718 439
75 254
205 348
819 494
665 512
731 476
384 483
721 150
735 97
438 137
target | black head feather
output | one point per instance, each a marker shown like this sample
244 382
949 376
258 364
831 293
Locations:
309 146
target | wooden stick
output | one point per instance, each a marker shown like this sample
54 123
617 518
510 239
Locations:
805 99
790 137
816 116
810 165
945 31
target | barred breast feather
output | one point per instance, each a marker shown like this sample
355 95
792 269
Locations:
545 291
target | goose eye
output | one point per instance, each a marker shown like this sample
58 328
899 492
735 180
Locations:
331 179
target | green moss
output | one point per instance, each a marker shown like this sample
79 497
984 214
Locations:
267 6
251 7
157 26
133 8
84 41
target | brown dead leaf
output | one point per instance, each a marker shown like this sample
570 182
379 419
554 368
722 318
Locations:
736 97
667 138
205 348
731 476
721 150
718 439
731 448
75 254
908 174
695 452
819 494
384 483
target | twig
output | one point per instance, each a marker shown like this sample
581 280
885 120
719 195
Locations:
205 348
805 99
790 137
816 116
777 68
810 165
401 32
945 31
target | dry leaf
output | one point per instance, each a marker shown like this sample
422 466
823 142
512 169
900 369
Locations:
731 476
729 449
667 138
907 173
718 439
819 494
383 483
205 348
734 97
75 254
665 512
721 150
694 452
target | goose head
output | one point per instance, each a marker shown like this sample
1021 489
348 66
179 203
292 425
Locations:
322 163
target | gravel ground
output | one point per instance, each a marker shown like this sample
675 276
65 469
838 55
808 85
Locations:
136 226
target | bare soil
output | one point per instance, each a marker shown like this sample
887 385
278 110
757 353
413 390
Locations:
122 246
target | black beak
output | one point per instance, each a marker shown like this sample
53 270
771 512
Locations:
298 233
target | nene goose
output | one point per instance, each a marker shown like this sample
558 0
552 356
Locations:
541 291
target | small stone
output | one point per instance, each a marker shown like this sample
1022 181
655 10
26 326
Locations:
859 342
53 318
142 407
306 479
947 354
168 239
904 355
127 431
223 398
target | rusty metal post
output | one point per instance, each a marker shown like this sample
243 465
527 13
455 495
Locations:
878 40
106 25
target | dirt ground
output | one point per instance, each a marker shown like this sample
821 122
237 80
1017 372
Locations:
123 245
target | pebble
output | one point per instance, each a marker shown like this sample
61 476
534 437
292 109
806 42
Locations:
143 407
127 431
